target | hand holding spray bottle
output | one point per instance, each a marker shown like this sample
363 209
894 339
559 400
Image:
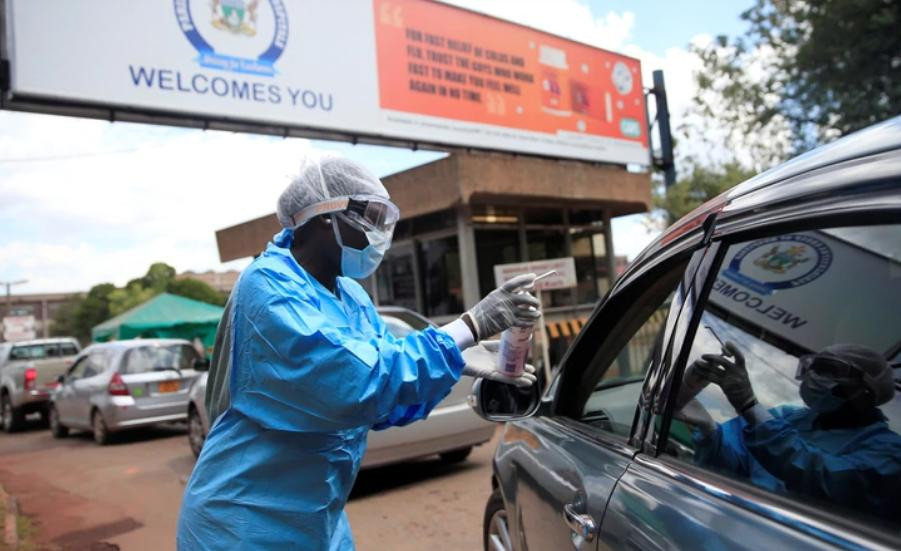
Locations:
517 341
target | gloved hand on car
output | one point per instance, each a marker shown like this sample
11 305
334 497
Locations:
728 371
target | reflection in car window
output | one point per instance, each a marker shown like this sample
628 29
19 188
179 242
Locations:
789 383
159 358
611 406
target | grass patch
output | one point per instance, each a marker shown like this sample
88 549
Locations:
25 529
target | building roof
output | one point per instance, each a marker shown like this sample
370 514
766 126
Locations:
486 178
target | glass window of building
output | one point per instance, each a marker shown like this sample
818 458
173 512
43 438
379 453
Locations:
442 280
494 247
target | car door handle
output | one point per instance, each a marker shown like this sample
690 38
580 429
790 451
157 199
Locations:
579 523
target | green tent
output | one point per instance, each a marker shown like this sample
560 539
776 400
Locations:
163 316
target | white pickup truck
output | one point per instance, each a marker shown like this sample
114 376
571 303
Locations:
28 375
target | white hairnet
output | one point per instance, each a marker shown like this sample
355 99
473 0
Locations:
322 178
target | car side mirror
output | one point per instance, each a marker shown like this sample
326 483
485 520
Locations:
202 365
501 402
60 379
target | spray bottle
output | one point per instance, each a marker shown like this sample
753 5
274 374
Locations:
516 343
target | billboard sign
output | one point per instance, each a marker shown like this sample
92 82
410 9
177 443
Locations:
565 277
397 71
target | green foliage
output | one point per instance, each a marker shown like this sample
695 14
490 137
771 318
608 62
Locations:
701 184
805 72
158 276
126 298
197 290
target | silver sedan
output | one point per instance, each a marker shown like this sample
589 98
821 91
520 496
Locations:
122 385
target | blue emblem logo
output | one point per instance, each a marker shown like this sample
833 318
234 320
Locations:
224 31
782 262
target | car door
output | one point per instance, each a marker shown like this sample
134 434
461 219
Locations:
705 478
64 399
558 470
93 380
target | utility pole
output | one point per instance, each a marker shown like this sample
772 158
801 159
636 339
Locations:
9 300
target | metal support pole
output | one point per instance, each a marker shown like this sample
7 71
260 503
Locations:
545 345
469 267
666 161
608 248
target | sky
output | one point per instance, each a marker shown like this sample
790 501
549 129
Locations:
85 201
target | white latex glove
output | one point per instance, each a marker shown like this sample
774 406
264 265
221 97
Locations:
525 380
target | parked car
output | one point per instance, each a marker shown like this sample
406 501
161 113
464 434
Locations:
451 430
28 373
123 385
799 258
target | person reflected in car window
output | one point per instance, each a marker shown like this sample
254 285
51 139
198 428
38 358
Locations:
838 448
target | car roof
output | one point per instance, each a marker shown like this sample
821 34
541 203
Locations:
52 340
136 343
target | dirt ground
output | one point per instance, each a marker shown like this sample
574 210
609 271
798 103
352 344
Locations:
126 495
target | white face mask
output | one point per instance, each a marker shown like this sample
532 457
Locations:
357 263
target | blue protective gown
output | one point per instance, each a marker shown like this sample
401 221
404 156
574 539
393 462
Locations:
858 468
310 374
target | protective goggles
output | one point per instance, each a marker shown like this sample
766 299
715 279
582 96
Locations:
824 366
368 213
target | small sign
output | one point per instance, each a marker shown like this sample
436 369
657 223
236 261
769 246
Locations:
565 277
18 328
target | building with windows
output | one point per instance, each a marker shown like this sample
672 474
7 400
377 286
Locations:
41 308
463 214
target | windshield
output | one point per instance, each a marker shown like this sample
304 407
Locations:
159 357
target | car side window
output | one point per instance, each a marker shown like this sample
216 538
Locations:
77 369
95 364
612 404
68 349
789 381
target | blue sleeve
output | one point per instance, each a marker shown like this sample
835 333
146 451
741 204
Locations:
723 449
861 474
297 370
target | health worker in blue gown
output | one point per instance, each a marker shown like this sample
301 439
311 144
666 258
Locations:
839 448
303 367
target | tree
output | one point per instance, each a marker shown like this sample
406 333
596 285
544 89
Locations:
158 276
805 72
197 290
701 184
78 316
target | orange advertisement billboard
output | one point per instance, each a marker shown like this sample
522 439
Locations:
443 62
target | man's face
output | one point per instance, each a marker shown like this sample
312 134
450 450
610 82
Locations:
350 236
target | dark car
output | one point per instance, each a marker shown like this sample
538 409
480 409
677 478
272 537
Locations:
795 260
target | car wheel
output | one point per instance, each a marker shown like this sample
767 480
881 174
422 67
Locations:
101 432
195 431
456 456
496 529
57 429
12 417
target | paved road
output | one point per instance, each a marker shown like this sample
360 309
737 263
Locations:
127 494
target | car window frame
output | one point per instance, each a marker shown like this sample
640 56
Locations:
623 302
814 519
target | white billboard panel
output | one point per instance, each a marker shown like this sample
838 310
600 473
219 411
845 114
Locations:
395 70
